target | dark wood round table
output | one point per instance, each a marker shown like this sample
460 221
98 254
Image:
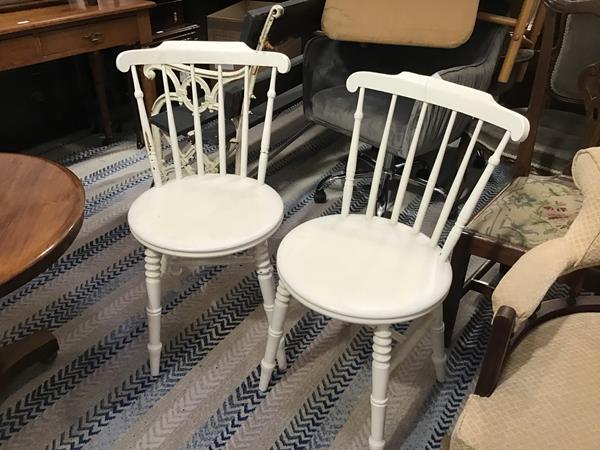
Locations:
41 212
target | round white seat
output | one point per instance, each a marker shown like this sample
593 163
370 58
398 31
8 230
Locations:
208 215
363 270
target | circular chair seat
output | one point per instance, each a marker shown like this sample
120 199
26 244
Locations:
206 215
363 270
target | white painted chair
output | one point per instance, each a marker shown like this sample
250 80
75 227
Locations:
371 270
210 218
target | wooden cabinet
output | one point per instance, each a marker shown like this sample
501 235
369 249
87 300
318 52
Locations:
183 19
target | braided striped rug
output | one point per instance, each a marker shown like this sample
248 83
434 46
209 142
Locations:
98 393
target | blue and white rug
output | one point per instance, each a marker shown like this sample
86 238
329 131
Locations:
99 394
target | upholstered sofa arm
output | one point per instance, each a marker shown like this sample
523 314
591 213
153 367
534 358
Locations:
526 283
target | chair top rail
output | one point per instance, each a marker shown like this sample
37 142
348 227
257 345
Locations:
436 91
202 52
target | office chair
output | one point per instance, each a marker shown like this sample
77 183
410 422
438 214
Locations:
435 38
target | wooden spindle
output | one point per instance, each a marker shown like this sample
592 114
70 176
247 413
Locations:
352 157
245 112
146 133
408 165
197 124
433 176
380 159
221 124
455 187
471 203
171 122
265 142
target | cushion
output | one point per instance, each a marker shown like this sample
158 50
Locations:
548 394
559 136
580 47
532 210
426 23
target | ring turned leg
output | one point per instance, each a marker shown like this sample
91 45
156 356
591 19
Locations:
382 348
264 269
274 336
153 309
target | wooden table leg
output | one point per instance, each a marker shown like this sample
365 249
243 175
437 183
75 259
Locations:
39 347
100 84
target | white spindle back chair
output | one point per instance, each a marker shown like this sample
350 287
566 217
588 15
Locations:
371 270
204 216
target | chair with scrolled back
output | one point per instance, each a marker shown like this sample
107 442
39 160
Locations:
208 217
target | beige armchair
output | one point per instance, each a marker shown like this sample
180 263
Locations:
538 386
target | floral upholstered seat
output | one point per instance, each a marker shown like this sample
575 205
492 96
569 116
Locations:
530 211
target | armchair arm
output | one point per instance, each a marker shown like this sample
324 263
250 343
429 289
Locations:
300 18
503 326
515 300
526 283
589 85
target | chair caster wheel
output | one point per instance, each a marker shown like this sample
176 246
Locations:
320 197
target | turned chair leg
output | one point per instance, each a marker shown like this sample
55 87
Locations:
437 343
264 270
282 299
461 256
153 309
382 348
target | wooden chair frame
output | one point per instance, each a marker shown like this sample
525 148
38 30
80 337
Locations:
526 27
495 251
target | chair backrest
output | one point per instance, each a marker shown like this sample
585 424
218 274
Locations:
580 47
173 54
443 94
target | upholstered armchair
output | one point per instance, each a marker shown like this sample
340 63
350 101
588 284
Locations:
538 386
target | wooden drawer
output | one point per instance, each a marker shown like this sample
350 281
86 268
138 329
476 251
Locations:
93 36
19 51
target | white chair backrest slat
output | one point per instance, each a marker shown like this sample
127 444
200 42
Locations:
381 158
265 142
183 70
145 124
245 112
351 166
221 123
455 186
435 172
432 93
197 125
410 157
471 203
171 124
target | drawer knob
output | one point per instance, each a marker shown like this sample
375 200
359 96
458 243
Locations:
94 37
